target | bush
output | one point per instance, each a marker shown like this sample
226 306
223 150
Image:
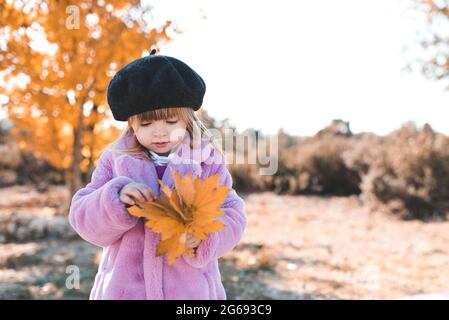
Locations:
406 172
323 169
306 165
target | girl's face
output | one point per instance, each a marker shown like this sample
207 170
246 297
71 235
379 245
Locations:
160 136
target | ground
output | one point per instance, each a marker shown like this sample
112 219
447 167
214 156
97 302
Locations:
294 247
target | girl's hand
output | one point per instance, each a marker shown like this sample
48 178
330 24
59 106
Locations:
192 241
136 191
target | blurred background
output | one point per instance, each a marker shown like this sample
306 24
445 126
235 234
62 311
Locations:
354 93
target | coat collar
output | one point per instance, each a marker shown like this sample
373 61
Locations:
142 169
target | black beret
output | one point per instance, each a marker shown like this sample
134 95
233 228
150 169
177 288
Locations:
154 82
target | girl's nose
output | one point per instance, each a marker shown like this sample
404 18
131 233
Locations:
159 132
158 128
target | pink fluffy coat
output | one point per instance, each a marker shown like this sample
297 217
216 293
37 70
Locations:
129 268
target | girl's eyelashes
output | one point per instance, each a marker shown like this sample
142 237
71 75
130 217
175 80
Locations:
168 121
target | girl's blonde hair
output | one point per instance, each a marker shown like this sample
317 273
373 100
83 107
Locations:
195 128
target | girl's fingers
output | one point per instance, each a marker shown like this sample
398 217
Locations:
151 195
147 193
192 242
193 245
143 194
127 199
135 193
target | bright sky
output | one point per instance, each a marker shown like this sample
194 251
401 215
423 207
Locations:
300 64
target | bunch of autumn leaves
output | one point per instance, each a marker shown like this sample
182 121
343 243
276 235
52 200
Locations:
190 208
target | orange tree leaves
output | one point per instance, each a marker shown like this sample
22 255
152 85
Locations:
55 73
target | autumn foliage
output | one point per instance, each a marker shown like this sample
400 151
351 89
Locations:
192 207
57 59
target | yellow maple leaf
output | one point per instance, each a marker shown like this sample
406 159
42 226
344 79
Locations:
190 208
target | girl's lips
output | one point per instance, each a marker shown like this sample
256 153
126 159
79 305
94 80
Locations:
160 144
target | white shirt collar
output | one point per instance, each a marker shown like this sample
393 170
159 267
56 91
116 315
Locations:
158 159
162 160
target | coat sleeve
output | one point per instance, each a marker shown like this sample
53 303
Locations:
96 212
219 243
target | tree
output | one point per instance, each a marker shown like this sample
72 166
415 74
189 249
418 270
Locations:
434 39
56 60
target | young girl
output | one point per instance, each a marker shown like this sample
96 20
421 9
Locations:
159 135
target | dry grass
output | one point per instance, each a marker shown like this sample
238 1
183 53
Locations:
295 247
335 248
